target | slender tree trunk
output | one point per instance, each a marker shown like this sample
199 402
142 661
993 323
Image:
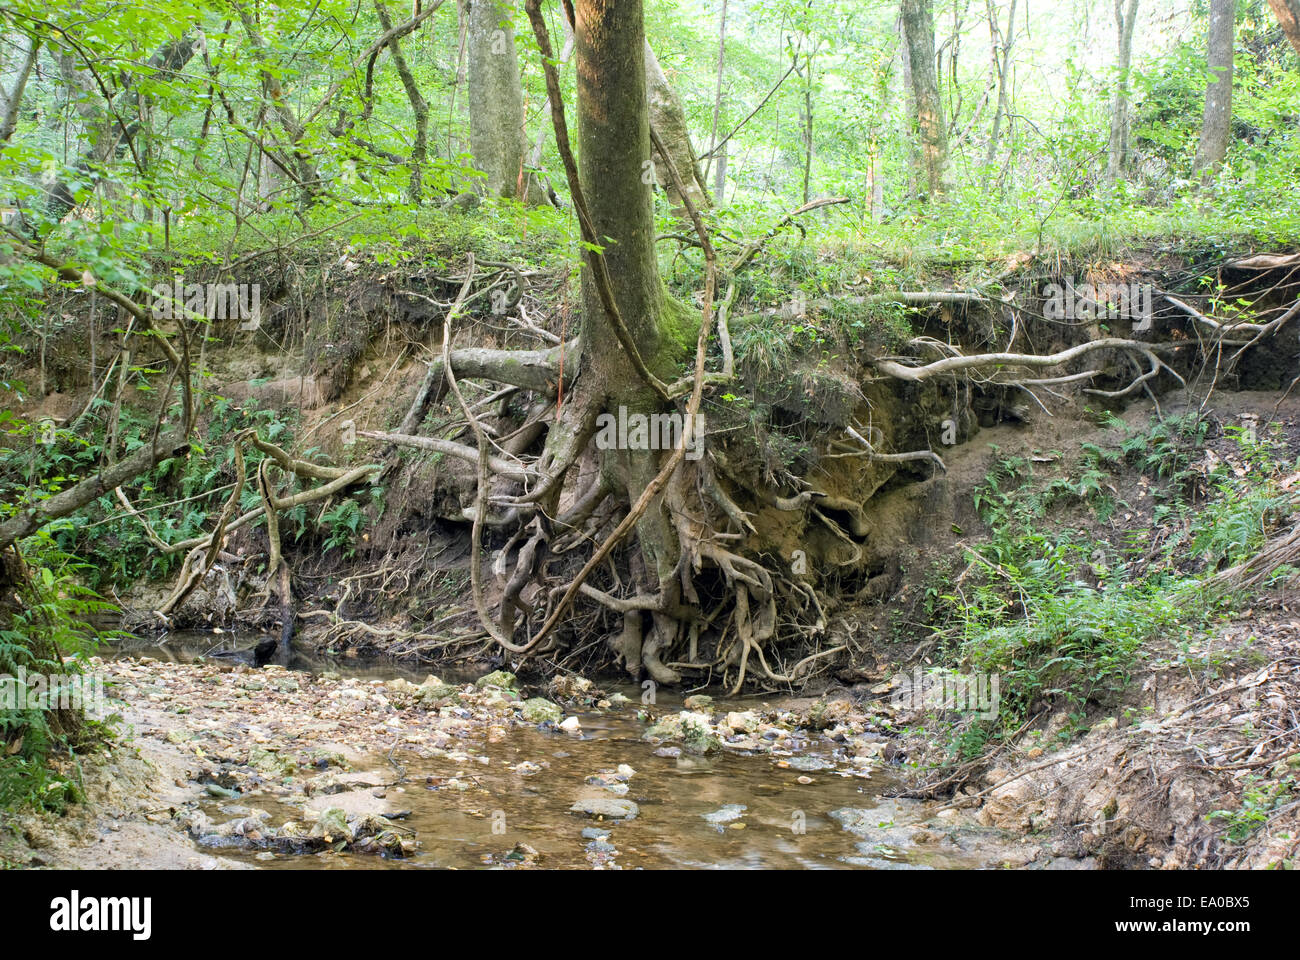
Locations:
720 174
907 101
714 132
1217 125
918 31
1004 82
420 148
10 103
496 100
877 186
806 121
270 179
305 164
462 16
1125 18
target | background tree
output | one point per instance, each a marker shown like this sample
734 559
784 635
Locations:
669 119
718 151
1117 148
496 100
1216 128
1003 64
1288 17
918 32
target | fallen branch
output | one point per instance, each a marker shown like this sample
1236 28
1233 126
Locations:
959 361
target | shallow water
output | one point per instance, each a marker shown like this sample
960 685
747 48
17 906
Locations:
188 646
784 823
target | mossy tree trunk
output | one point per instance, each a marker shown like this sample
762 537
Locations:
616 171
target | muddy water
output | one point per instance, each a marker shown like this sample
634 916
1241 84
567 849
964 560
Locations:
471 810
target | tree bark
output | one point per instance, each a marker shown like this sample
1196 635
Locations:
10 103
806 124
907 100
613 156
419 107
496 99
720 155
1004 82
1117 152
669 120
305 164
1216 128
918 31
1288 17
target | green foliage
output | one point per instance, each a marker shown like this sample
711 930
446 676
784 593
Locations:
47 633
179 497
1166 450
1063 617
343 522
1258 803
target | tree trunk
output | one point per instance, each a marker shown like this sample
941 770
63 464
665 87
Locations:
419 107
669 119
714 132
720 174
462 17
907 101
613 152
304 162
1288 17
806 122
1118 147
1004 82
918 31
11 103
496 100
1217 125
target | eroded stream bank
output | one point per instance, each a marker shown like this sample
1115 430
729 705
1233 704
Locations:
272 768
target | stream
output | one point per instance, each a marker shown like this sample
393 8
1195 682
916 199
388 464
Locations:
503 798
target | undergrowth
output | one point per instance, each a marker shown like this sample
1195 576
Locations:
1065 613
45 639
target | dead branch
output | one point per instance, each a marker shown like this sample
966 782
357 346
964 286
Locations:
499 465
959 361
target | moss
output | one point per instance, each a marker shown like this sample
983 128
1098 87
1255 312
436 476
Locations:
503 679
539 710
680 327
